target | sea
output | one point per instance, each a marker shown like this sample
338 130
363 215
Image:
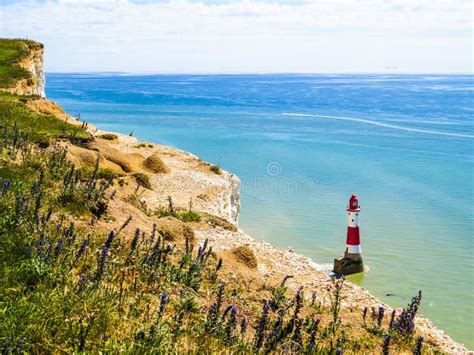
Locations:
302 144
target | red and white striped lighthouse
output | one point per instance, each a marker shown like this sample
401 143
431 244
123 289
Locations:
351 262
353 236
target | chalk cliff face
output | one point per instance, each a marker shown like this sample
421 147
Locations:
36 83
227 205
190 182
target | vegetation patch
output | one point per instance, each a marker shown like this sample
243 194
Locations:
216 221
143 180
185 216
144 145
215 169
155 165
108 136
69 288
245 255
12 51
149 291
175 230
18 119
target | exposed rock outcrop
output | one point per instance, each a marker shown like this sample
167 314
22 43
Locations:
189 181
33 63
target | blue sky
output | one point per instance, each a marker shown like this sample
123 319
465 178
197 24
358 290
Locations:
247 36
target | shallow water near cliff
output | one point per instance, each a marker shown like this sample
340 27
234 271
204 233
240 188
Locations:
302 144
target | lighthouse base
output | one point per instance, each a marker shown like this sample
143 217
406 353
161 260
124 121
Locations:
348 264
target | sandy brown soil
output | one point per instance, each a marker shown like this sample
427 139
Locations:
215 196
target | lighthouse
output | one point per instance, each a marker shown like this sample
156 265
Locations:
351 262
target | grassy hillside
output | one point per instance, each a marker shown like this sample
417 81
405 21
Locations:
69 287
11 52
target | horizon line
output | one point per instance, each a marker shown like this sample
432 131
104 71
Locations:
91 72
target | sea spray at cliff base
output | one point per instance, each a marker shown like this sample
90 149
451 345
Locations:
403 143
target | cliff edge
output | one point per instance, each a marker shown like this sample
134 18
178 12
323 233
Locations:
21 67
107 225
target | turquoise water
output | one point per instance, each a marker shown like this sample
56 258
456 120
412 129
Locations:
302 144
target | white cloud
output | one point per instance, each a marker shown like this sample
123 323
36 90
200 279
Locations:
247 36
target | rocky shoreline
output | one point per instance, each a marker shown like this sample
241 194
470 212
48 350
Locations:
191 178
194 183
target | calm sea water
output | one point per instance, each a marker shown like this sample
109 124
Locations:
302 144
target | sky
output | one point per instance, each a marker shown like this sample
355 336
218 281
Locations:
246 36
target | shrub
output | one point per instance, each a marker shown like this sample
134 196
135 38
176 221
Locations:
185 216
245 255
215 169
143 180
108 136
155 165
107 174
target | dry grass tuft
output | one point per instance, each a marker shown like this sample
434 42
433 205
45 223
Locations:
175 230
155 165
216 221
244 255
108 136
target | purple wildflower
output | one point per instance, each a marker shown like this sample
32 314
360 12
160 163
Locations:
364 313
40 243
227 310
392 319
5 187
386 345
275 333
211 316
297 333
419 346
243 325
153 233
405 323
202 251
82 249
134 243
219 265
59 247
104 253
232 323
163 302
298 301
312 338
220 294
262 324
380 316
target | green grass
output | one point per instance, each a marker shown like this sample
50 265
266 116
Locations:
11 52
34 126
185 216
67 287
